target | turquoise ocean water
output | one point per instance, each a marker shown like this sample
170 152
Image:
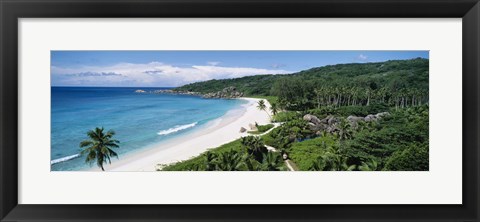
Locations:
139 120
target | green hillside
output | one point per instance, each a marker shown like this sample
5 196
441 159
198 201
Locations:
369 116
393 74
250 85
395 82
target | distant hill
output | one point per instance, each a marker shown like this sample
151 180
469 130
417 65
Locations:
393 75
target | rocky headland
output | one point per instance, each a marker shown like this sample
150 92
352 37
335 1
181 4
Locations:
227 93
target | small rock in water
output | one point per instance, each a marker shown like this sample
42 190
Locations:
242 130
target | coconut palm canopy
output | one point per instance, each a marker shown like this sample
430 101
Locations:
99 147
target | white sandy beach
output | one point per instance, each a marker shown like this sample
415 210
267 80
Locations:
185 147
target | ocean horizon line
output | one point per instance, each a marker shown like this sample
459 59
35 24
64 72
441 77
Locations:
114 86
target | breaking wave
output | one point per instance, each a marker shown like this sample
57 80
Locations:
63 159
176 129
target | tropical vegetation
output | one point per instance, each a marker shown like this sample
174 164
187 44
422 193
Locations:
245 154
398 140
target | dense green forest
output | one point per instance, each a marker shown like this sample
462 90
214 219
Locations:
364 116
398 82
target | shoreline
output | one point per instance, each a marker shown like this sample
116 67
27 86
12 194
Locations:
220 131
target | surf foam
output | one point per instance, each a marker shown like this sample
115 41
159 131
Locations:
176 129
63 159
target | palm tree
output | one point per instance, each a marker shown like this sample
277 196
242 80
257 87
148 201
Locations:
99 147
355 95
344 129
318 93
230 161
210 161
272 161
383 93
368 93
249 163
335 161
254 146
261 106
274 108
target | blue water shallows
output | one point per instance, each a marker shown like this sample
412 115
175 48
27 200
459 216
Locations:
139 119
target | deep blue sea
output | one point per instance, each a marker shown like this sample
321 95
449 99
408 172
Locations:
139 120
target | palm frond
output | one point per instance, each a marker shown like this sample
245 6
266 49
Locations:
113 153
109 144
85 143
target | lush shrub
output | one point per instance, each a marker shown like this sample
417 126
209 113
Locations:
264 128
305 153
362 110
322 112
291 131
413 158
245 154
198 163
261 129
402 129
286 116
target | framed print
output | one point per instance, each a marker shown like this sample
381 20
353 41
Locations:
226 110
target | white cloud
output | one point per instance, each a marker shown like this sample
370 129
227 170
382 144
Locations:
149 74
362 57
213 63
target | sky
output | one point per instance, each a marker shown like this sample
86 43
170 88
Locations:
177 68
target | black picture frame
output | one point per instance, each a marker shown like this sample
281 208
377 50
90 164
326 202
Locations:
12 10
